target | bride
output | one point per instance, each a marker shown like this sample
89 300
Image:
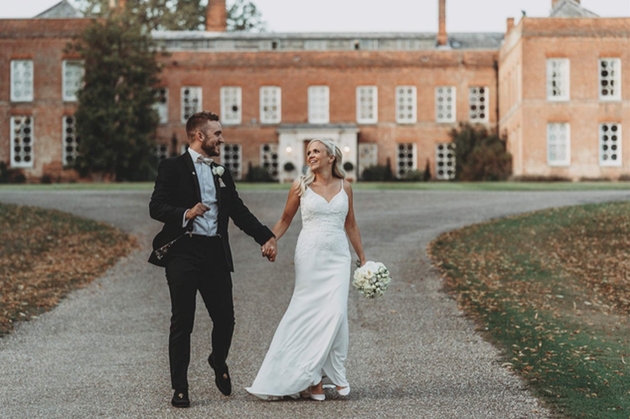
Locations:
311 342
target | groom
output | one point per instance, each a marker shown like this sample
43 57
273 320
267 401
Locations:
194 198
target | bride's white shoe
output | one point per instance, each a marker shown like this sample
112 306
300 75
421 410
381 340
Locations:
318 397
343 391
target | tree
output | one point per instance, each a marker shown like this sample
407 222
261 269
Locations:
115 117
175 15
244 16
480 155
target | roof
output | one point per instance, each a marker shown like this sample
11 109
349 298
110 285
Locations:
570 8
61 10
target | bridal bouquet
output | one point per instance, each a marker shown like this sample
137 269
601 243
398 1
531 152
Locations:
371 279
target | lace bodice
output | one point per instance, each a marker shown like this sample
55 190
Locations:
319 214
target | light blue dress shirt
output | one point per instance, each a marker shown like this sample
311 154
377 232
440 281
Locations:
207 225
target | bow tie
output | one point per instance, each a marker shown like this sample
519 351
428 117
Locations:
205 160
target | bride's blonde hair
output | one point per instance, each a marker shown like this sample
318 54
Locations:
337 169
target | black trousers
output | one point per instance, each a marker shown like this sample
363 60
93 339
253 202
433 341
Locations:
198 264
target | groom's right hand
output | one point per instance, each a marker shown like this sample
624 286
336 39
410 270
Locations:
198 210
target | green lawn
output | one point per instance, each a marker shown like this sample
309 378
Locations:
552 290
429 186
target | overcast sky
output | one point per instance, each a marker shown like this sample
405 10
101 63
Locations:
390 16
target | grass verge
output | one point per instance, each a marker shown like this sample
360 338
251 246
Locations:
551 288
45 254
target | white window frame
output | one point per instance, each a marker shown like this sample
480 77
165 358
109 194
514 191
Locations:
406 98
603 160
414 157
273 94
231 105
318 104
161 107
369 94
22 164
553 126
445 154
195 91
474 92
558 78
616 62
68 94
267 157
238 173
64 135
439 117
16 77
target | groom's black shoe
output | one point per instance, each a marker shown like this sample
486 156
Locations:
180 398
222 378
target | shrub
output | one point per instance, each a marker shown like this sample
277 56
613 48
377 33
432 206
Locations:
413 176
289 167
479 154
8 175
258 174
46 179
348 166
539 178
375 174
624 178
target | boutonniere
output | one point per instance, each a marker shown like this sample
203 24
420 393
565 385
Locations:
218 170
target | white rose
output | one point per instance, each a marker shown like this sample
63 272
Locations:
218 170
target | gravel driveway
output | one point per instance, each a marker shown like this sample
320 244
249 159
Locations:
102 353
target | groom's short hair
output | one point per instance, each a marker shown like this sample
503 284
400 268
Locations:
197 120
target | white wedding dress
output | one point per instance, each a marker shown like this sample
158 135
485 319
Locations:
311 341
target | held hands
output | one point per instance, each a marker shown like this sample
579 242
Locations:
270 249
198 210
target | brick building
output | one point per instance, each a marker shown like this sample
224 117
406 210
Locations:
553 85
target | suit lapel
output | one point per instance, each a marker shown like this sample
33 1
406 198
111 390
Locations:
217 186
190 166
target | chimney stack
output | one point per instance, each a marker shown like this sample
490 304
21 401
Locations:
442 38
510 24
554 2
216 16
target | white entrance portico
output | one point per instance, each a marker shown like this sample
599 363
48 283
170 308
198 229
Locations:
293 139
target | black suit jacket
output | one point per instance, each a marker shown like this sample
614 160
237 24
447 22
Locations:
177 189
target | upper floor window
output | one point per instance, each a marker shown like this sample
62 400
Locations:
72 77
231 105
558 144
318 105
558 79
161 104
367 104
610 79
445 104
478 104
610 144
406 105
191 101
270 104
22 80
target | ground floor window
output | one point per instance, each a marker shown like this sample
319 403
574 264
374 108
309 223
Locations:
445 161
405 159
269 159
22 141
558 144
231 157
70 144
160 151
610 144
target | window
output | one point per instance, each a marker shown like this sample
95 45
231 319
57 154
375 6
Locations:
609 79
191 102
72 79
22 80
406 104
558 79
22 141
368 156
610 144
70 144
160 151
161 104
445 161
318 105
230 105
445 104
367 104
231 159
478 106
269 159
558 144
405 159
270 105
